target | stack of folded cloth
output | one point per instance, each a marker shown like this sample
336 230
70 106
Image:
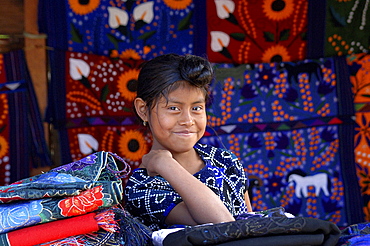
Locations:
74 204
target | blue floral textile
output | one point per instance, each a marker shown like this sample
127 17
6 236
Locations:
73 189
133 29
290 124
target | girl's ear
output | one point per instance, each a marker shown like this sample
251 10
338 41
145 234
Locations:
141 108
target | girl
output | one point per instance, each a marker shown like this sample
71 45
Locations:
181 181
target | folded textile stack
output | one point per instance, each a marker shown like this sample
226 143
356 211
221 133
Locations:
74 204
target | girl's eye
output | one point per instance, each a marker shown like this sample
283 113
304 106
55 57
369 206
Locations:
173 108
198 108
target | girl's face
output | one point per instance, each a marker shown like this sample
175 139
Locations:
179 122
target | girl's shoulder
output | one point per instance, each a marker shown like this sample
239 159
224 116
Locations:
215 153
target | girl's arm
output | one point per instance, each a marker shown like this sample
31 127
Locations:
200 204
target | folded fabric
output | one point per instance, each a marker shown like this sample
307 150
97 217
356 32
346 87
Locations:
356 234
60 229
130 232
84 186
279 229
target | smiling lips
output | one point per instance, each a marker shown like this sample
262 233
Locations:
184 133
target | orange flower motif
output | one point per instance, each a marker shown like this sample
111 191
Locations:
83 8
277 10
277 53
127 84
132 145
4 147
130 54
88 201
176 4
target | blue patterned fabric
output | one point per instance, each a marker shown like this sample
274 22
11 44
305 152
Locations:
152 198
290 124
143 28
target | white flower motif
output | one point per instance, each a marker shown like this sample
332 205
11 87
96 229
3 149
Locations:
224 8
144 12
117 17
219 40
87 143
78 69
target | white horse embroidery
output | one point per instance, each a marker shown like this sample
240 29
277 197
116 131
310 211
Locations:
319 181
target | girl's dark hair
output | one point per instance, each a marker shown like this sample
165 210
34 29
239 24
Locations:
159 76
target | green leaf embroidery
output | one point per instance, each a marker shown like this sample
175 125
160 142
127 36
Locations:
339 20
269 37
185 23
284 34
104 93
114 40
76 35
238 36
147 35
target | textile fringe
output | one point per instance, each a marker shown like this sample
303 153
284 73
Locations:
106 221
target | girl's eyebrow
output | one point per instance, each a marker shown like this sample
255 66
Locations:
179 102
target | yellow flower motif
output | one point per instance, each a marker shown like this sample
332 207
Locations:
130 54
83 7
132 145
278 10
127 84
277 53
178 4
4 147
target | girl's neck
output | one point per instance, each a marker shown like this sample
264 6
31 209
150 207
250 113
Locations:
191 161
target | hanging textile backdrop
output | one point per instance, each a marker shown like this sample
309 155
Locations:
290 124
19 120
338 28
256 31
93 96
359 65
127 29
285 122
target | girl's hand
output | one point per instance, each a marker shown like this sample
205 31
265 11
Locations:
156 160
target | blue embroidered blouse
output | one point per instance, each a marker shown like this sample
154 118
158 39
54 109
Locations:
152 198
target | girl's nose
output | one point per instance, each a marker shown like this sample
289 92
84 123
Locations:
186 119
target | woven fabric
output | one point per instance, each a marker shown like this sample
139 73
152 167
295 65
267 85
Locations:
313 231
346 27
290 124
73 189
91 105
256 31
359 65
20 121
130 29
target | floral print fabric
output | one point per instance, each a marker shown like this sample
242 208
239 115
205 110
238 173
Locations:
69 190
256 31
359 65
130 29
95 112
